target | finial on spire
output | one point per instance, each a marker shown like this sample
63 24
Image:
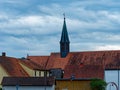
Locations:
64 15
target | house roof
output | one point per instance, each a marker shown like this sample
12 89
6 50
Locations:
12 67
84 71
55 61
40 60
109 59
91 59
31 64
28 81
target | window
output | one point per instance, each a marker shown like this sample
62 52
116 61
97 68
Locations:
65 89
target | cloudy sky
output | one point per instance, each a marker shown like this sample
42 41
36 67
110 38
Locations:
34 26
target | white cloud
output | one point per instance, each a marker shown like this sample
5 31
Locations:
31 25
108 47
3 17
101 36
89 23
85 18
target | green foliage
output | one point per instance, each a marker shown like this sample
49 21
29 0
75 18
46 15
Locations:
0 88
98 84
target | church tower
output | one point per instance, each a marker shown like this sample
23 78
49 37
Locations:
64 42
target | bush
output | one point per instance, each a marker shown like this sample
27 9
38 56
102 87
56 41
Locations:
98 84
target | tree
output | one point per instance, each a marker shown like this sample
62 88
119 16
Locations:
98 84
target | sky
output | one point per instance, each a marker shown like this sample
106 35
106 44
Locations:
33 27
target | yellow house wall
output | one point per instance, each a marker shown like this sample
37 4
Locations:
28 70
73 85
31 72
3 73
39 73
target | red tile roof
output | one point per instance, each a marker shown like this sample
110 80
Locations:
41 60
105 58
55 61
31 64
85 71
28 81
12 66
93 59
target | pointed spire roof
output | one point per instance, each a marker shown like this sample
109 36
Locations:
64 36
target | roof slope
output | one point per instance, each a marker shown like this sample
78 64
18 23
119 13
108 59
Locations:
31 64
71 64
93 61
109 59
39 60
55 61
12 66
28 81
84 71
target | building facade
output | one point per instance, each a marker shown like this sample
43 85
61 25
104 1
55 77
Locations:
75 84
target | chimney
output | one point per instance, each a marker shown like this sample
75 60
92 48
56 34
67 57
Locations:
3 54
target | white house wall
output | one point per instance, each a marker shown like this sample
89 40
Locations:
112 76
28 88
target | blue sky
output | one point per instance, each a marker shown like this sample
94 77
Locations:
34 26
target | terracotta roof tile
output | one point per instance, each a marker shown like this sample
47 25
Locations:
85 71
106 59
31 64
28 81
41 60
12 66
55 61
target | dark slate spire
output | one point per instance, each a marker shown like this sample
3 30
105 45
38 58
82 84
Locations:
64 42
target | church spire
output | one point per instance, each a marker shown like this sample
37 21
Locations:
64 42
